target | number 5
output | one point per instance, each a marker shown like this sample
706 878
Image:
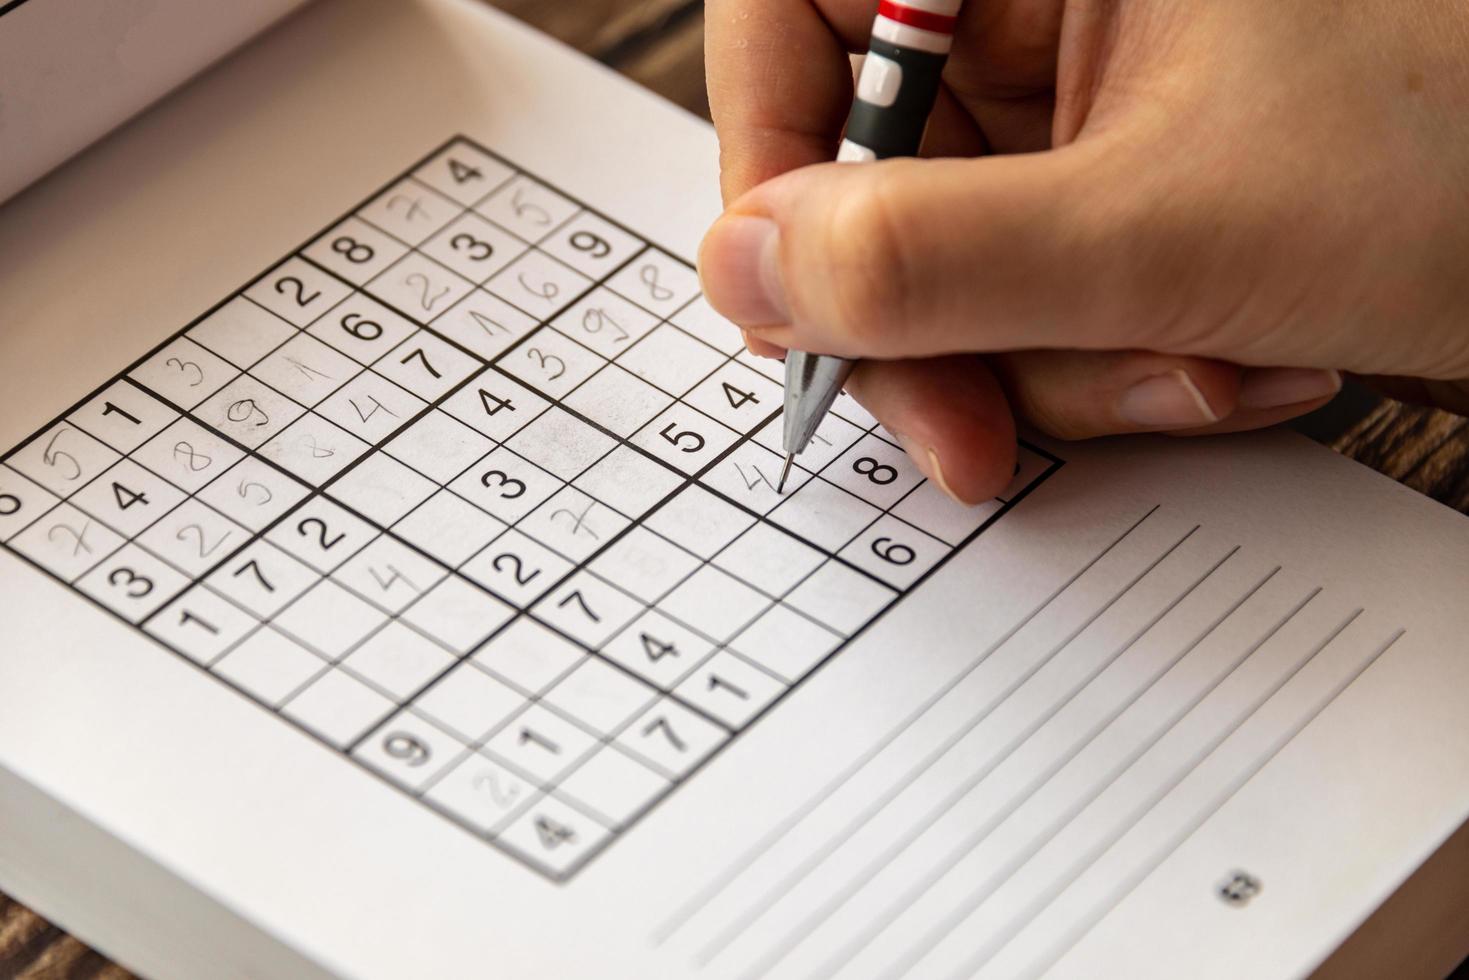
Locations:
676 438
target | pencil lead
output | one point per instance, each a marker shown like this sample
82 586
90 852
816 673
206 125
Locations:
785 472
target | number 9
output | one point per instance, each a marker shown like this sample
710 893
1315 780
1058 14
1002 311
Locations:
406 747
594 245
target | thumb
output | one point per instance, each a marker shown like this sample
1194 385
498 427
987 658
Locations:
908 258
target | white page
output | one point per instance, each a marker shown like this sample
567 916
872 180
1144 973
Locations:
1155 665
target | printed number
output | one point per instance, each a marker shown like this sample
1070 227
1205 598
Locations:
505 480
656 649
9 504
662 724
478 250
52 456
108 409
716 682
553 834
259 575
352 250
576 596
362 329
421 281
519 567
321 529
418 353
545 360
136 586
732 393
463 172
893 551
298 287
594 319
675 438
126 498
880 473
486 399
205 549
186 617
594 245
406 747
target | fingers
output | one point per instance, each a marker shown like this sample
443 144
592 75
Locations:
950 415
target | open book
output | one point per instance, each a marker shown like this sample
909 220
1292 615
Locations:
392 584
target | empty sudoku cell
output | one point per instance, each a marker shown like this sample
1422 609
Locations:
464 173
305 370
684 438
658 649
408 750
362 328
329 619
193 537
184 373
833 437
875 470
480 792
123 416
617 400
560 443
840 597
355 250
201 625
736 396
895 552
448 527
768 366
66 542
389 574
823 514
398 660
671 360
338 708
382 489
322 534
248 411
459 615
132 583
427 366
605 322
730 689
671 737
628 481
591 244
269 666
600 696
848 408
253 493
769 559
241 332
495 405
439 446
573 524
587 609
296 291
699 319
657 282
468 702
614 785
473 247
945 518
21 501
540 743
313 449
128 498
785 643
409 211
371 407
516 568
63 459
261 579
699 521
529 656
419 287
750 475
551 362
485 324
526 207
505 486
714 602
1028 466
554 836
644 564
188 455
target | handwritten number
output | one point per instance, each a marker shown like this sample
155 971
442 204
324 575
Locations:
545 361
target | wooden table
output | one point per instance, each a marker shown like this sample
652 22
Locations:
660 43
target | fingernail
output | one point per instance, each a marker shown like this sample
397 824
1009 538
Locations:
1278 387
739 267
1167 401
926 458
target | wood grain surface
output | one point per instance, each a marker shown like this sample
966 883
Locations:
659 43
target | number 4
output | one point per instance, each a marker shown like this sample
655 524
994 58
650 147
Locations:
463 172
486 399
730 391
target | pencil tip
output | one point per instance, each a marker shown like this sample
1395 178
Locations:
785 472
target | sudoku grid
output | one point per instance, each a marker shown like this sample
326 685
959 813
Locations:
476 489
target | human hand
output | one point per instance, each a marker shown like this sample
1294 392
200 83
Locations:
1149 215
